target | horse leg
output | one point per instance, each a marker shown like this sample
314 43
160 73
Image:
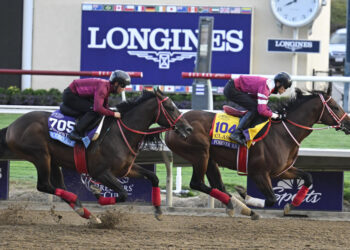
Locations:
215 181
140 172
263 183
214 177
109 180
47 172
294 173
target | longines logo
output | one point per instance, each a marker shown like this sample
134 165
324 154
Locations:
293 45
163 58
162 46
286 190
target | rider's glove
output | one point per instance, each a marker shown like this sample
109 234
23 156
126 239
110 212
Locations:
278 117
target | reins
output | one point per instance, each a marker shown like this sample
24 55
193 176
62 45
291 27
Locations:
166 114
325 105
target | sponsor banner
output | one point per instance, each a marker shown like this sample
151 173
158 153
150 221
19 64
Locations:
4 179
161 41
293 46
326 193
138 189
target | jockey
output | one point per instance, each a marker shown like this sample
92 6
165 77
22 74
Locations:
90 96
252 93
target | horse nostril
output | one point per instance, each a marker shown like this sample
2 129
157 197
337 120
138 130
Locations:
189 129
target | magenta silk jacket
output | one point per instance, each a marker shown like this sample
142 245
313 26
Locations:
97 88
259 88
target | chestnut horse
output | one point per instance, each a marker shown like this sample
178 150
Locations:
271 157
111 156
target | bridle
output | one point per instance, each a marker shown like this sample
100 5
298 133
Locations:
171 122
331 112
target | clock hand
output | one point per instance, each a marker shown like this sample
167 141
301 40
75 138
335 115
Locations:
291 2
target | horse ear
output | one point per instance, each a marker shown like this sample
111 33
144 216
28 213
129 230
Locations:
157 90
329 89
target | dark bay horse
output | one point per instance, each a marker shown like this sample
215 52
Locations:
271 157
111 156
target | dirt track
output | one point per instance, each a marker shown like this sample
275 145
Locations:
24 228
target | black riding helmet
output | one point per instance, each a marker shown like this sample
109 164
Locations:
284 79
121 77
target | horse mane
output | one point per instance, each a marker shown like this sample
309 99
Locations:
290 104
128 105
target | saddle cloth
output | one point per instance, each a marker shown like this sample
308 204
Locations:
224 125
61 125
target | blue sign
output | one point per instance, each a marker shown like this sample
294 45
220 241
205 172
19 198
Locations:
293 46
137 189
4 179
161 41
326 193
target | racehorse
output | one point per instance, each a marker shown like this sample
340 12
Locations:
271 157
111 156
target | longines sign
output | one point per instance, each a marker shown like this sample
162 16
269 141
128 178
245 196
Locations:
162 41
295 46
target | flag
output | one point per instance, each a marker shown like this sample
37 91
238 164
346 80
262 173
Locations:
129 8
128 88
203 9
220 90
97 7
140 8
224 10
235 10
108 7
215 9
180 89
188 89
169 88
171 8
148 87
150 8
246 10
137 87
160 8
87 6
118 7
181 9
192 9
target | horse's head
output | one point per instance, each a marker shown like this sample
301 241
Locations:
170 116
332 114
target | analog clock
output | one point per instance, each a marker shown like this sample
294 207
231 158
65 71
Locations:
296 13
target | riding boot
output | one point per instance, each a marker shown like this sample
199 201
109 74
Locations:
244 123
82 124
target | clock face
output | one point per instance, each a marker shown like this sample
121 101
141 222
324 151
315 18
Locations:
295 13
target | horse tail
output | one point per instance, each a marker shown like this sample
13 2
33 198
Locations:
3 143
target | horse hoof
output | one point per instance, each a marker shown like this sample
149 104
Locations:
159 216
158 213
255 216
287 209
241 191
230 212
95 220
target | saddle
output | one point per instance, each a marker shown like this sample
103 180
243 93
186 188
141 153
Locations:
62 122
234 111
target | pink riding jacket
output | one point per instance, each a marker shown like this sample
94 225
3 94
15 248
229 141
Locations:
259 88
97 88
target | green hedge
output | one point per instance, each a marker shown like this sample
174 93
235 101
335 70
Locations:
53 97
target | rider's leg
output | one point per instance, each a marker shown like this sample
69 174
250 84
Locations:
246 101
82 124
244 123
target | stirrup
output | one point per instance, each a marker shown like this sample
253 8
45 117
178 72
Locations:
74 136
238 138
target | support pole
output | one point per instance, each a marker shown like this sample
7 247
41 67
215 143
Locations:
347 60
27 42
